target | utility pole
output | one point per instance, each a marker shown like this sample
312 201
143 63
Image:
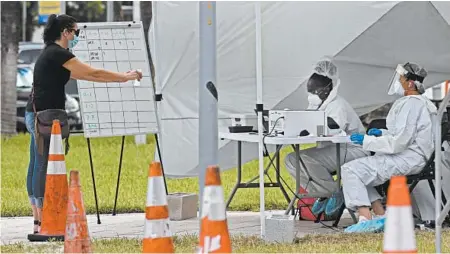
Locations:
136 11
63 7
208 125
142 138
24 20
110 11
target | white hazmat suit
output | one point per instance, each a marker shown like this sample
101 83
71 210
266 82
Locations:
321 161
403 149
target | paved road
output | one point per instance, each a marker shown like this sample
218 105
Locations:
15 230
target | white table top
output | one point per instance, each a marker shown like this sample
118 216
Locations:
280 140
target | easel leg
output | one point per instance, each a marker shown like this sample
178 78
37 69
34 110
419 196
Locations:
160 161
118 175
93 179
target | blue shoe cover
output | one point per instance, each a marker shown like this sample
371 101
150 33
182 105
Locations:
319 206
334 203
367 226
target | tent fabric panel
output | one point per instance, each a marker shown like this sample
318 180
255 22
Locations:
291 44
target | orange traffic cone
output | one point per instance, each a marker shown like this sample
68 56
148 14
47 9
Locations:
214 236
399 235
157 235
76 239
54 212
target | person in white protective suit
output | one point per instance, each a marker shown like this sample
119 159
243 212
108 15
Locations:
319 163
402 149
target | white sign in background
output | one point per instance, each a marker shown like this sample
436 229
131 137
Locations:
115 108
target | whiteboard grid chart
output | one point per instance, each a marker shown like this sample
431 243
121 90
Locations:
115 109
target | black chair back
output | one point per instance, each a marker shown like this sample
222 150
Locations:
445 126
377 123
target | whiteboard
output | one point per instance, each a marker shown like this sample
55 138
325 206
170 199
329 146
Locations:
115 109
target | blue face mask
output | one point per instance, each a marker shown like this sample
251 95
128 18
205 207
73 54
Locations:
73 42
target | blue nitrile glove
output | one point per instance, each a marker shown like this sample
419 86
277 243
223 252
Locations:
357 138
374 132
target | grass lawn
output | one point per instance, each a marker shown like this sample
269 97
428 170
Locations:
340 243
133 183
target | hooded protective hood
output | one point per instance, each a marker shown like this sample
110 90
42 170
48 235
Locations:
327 68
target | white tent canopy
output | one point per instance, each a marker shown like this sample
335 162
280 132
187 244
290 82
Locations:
367 40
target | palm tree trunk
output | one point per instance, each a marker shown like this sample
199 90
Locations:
11 32
31 21
118 13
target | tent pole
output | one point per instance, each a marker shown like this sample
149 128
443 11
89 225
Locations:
438 171
208 121
157 88
260 110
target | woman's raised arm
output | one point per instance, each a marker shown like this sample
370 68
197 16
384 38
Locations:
80 70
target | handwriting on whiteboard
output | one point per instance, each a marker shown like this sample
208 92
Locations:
92 34
82 36
133 33
107 44
118 33
94 44
105 33
95 56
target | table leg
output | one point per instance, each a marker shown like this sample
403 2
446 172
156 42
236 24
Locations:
297 179
239 173
278 176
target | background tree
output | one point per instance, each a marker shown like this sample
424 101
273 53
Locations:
92 11
31 19
89 11
118 13
11 31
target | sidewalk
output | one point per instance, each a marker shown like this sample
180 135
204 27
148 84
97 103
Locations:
16 229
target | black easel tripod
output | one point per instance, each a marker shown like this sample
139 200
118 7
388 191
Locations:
118 175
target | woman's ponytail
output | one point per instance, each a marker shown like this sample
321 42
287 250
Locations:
55 25
51 30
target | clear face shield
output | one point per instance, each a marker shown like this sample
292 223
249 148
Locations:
395 84
408 71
